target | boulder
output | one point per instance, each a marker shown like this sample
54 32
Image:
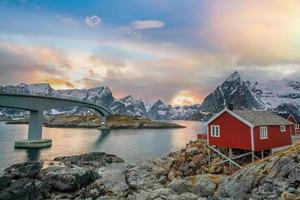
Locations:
272 178
93 159
180 186
113 182
206 185
25 189
142 177
188 196
191 151
24 170
4 182
163 193
67 177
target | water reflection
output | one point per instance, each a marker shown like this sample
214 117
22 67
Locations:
129 144
101 139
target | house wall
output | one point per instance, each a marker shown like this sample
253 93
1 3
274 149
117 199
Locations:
292 127
233 133
276 138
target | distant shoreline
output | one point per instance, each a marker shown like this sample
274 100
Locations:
93 122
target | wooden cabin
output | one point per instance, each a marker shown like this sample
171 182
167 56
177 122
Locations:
294 124
248 130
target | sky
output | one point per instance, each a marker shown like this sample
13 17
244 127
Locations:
173 50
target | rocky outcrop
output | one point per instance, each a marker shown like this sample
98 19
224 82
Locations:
272 178
103 176
67 177
193 160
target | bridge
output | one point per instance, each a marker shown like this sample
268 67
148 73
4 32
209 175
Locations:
36 105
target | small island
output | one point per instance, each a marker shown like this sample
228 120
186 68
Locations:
94 121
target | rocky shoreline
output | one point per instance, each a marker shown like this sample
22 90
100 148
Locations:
182 175
93 121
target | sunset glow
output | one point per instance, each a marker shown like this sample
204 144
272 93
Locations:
186 98
162 51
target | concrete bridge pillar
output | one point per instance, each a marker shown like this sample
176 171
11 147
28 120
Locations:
103 120
34 133
104 127
35 125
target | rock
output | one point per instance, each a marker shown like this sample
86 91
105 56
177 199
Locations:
4 182
24 170
273 178
188 196
184 167
205 185
114 182
93 159
25 189
192 151
171 175
142 177
197 159
67 178
168 164
162 179
180 186
163 193
110 158
289 196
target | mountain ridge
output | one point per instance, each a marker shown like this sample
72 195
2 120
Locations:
280 96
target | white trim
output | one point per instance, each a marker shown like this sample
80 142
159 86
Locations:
296 126
293 118
266 136
231 113
217 131
282 128
252 138
207 131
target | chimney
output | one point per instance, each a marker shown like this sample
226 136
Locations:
230 106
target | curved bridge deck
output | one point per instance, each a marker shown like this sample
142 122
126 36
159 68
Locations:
36 104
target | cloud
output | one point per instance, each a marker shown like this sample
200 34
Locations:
147 24
131 32
92 21
34 64
255 32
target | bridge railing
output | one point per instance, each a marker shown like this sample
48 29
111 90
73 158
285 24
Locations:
14 91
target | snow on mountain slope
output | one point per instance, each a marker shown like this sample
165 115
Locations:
280 96
274 94
233 90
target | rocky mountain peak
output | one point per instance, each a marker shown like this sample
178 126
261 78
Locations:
40 88
235 76
159 103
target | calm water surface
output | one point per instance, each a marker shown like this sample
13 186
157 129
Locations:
131 145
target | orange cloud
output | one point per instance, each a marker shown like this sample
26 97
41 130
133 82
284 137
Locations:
257 32
186 98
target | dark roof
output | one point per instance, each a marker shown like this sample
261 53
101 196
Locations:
261 118
284 115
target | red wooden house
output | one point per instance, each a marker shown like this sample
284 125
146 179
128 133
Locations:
248 130
294 125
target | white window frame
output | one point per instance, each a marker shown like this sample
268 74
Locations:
296 126
263 132
282 129
215 130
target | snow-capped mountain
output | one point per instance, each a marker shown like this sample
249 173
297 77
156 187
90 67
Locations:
99 95
280 96
159 110
233 90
